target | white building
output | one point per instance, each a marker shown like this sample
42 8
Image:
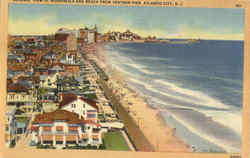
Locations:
61 128
92 33
20 96
85 108
71 58
91 37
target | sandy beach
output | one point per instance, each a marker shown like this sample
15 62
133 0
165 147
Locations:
161 136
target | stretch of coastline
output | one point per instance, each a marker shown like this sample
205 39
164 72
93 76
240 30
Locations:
161 136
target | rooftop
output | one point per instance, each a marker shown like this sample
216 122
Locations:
17 87
67 116
68 98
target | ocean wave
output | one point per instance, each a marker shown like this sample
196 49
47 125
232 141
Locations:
142 69
164 95
229 119
197 97
156 59
225 144
127 49
118 60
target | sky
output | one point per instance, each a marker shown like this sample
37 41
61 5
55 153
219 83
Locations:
204 23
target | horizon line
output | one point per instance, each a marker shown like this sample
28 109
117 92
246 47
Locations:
143 37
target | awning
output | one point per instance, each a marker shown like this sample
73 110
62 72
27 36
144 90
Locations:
95 137
47 128
59 138
47 138
73 128
85 136
59 128
34 128
71 138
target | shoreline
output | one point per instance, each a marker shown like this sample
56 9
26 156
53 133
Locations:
171 143
149 120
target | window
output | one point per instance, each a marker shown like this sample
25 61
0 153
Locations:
91 115
83 105
73 105
11 96
91 111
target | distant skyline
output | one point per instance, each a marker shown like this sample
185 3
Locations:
204 23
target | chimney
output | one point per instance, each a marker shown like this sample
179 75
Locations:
60 97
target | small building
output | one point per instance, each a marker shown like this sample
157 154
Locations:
85 108
21 97
71 57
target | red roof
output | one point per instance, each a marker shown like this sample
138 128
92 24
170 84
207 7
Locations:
50 117
17 87
34 128
90 102
59 128
90 122
68 98
69 117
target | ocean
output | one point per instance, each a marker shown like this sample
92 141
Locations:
196 87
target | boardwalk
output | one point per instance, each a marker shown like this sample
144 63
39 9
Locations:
125 136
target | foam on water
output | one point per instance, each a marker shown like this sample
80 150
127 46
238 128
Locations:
201 99
142 69
210 138
179 97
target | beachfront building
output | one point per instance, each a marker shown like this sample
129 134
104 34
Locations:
85 108
91 36
21 97
84 34
71 42
88 35
63 33
61 128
